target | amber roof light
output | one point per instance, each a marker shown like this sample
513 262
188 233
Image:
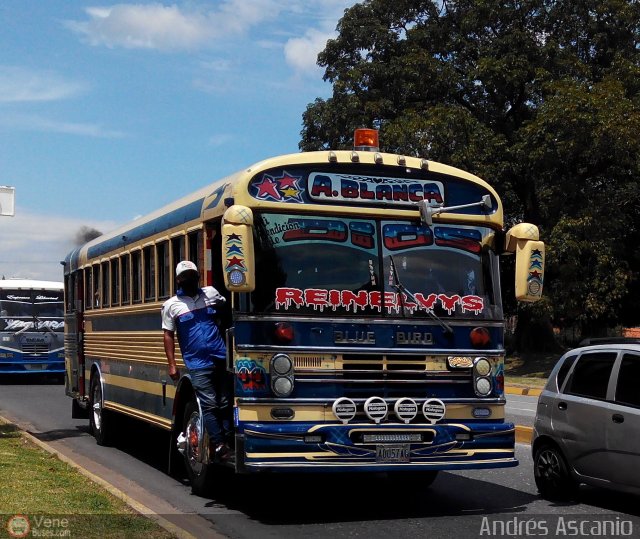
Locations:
366 140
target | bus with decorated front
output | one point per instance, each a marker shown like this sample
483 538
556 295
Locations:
365 329
31 327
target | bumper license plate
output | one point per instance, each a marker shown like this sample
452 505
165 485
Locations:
392 453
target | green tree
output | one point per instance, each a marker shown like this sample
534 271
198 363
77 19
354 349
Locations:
539 97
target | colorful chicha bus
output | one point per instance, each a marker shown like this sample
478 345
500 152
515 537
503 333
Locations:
31 327
364 332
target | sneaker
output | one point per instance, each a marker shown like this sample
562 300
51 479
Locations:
222 452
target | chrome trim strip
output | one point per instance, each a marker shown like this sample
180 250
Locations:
441 374
378 381
375 321
363 350
329 403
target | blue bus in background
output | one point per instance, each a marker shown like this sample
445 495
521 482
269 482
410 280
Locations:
31 327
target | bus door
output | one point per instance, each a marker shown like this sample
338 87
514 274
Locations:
73 336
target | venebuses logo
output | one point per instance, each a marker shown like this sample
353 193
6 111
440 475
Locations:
18 526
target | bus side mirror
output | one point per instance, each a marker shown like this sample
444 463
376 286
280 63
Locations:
523 240
238 261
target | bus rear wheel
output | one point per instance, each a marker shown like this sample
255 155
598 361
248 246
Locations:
99 418
196 452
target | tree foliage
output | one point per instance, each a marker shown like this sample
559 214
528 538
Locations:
539 97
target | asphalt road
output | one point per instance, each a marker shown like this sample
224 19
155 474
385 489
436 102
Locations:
521 409
461 504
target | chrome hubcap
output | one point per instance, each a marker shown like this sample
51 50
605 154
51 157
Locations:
196 446
97 406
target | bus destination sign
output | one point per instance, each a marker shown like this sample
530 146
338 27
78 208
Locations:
334 187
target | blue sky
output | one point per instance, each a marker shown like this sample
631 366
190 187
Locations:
111 110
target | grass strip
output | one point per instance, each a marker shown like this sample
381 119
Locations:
57 500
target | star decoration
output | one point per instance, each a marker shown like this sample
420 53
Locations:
235 261
268 189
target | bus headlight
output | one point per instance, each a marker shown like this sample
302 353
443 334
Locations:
483 386
481 366
281 369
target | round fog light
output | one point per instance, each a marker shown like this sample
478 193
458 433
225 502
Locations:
283 386
483 386
483 367
281 364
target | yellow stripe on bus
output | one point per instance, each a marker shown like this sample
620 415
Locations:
144 386
139 414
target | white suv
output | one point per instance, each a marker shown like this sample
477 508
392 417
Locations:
587 426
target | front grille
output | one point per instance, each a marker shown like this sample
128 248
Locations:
35 349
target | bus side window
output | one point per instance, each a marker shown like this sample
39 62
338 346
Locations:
115 281
149 274
88 291
125 266
136 272
177 254
95 293
164 269
106 281
195 249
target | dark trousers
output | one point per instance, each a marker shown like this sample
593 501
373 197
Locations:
211 388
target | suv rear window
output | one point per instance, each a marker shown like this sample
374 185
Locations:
564 370
590 376
628 377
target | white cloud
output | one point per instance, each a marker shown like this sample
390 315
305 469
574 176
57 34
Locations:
42 124
18 84
169 28
32 245
301 53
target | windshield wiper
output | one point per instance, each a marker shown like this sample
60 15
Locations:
403 290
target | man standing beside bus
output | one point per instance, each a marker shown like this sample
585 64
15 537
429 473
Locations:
190 314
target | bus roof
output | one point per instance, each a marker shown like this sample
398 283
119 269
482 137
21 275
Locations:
209 202
26 284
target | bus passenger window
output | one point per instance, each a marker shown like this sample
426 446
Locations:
164 269
88 290
149 274
136 269
195 248
106 280
126 279
115 282
95 294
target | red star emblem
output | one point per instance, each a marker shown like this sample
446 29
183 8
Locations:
288 181
267 188
235 261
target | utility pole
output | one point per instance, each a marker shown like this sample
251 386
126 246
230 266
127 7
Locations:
7 201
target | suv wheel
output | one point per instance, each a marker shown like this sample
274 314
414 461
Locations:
552 475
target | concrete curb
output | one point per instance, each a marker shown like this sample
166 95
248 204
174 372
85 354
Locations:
514 390
524 434
135 505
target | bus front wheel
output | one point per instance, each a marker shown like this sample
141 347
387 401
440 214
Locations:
99 418
196 457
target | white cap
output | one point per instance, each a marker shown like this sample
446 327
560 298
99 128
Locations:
185 265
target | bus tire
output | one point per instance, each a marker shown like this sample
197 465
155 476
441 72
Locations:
100 420
200 473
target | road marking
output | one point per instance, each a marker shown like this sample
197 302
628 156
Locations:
522 409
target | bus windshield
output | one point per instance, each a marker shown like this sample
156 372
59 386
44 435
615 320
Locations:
19 308
365 267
